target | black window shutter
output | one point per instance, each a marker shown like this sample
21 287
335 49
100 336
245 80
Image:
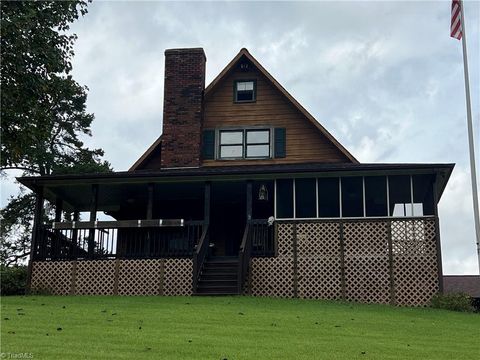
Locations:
208 145
280 138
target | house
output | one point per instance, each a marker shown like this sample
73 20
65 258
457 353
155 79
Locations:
244 192
465 284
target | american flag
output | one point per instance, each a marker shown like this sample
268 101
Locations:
456 25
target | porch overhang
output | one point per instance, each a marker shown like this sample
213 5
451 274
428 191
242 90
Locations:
72 188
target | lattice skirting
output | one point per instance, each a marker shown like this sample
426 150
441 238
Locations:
140 277
367 277
178 277
52 277
391 261
272 277
365 261
112 277
319 263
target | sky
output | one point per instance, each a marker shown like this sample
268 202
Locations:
384 78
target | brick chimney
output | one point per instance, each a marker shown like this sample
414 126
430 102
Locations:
182 107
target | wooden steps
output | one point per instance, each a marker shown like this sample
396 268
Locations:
219 276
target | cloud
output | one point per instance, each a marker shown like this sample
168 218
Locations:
456 225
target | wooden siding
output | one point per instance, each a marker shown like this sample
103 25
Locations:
151 160
304 142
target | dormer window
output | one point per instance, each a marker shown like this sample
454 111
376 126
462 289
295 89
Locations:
245 90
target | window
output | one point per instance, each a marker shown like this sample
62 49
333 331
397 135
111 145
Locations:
239 144
245 91
258 143
231 144
305 203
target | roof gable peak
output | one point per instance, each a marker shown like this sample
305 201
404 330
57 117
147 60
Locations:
245 53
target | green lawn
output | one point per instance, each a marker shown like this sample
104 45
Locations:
230 328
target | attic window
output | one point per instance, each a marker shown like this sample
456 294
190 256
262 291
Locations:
245 90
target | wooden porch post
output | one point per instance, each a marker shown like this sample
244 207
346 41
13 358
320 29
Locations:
206 212
391 264
74 251
150 202
148 242
249 200
58 209
93 218
58 217
295 260
342 261
201 249
437 236
37 239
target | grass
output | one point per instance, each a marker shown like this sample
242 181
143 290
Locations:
97 327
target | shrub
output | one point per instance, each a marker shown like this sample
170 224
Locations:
453 301
41 290
13 280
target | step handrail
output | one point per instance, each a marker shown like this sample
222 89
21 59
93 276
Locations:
199 255
244 257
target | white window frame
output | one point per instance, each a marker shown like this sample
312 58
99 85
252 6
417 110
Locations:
220 145
235 91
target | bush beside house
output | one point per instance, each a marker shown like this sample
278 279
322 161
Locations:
13 280
453 301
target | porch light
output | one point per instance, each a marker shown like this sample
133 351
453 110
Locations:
263 193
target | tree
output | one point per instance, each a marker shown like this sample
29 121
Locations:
43 109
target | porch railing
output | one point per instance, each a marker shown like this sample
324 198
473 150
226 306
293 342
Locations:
263 238
117 239
244 255
199 255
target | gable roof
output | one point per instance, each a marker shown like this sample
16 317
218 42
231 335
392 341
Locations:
244 53
231 65
146 155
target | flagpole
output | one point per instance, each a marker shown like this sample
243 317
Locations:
473 171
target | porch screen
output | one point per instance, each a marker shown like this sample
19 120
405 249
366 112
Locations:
422 195
400 195
352 196
328 198
376 196
305 202
284 198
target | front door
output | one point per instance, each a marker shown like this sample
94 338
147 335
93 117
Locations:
228 217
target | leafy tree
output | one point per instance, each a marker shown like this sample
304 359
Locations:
43 109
